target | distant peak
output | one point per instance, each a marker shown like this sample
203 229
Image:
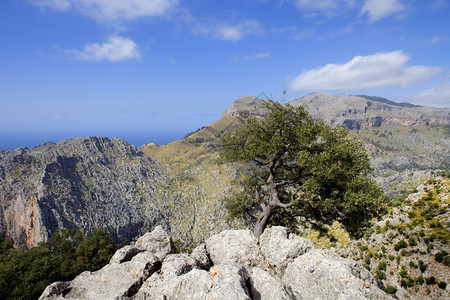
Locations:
249 103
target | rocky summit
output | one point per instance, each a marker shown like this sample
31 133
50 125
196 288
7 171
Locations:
230 265
81 183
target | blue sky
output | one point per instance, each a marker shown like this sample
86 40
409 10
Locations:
154 70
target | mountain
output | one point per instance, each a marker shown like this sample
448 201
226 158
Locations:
80 183
93 182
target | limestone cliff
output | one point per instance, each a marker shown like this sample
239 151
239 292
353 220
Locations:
80 183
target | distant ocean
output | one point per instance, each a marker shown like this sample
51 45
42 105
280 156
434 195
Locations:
10 141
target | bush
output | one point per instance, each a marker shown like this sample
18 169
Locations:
403 273
391 289
430 280
440 256
422 266
400 245
380 275
420 280
412 242
382 266
442 285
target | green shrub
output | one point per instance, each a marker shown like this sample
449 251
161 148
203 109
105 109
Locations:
403 273
412 242
442 285
440 256
391 289
430 280
412 265
391 257
422 266
380 275
363 247
382 266
420 280
400 245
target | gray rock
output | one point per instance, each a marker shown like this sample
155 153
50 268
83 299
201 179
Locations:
239 246
239 271
224 281
201 257
112 281
124 254
319 274
158 242
265 286
177 264
279 248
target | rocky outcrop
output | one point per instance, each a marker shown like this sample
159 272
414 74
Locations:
229 265
357 112
254 106
81 183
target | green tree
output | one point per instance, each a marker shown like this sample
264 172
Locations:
301 170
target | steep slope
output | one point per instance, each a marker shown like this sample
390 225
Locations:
80 183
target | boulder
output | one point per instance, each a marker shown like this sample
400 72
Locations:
223 281
319 274
280 248
265 286
239 246
158 242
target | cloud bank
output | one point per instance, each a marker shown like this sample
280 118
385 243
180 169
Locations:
385 69
437 97
110 10
378 9
115 49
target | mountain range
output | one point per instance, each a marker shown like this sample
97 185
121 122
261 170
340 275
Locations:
91 182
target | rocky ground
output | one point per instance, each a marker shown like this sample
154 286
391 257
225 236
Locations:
229 265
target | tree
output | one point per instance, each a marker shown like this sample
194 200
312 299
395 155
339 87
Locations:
299 170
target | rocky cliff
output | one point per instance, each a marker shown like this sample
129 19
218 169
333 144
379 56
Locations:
356 112
81 183
230 265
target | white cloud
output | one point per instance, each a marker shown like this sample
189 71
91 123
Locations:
386 69
438 97
257 56
378 9
327 7
229 32
115 49
109 10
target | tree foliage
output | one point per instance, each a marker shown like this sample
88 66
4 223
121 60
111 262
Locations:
300 170
25 274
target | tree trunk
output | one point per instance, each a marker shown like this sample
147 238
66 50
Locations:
262 221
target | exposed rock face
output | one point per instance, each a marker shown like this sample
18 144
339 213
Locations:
252 104
80 183
356 112
232 265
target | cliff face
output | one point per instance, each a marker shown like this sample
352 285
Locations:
80 183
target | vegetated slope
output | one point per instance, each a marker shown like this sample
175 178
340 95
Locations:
408 250
81 183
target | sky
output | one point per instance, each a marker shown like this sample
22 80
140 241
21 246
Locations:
155 70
